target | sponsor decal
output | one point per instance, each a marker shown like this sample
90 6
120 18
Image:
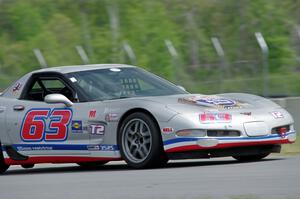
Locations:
277 114
111 117
34 148
77 126
17 87
228 126
97 129
246 113
92 113
210 117
73 79
46 124
167 130
115 69
211 101
103 147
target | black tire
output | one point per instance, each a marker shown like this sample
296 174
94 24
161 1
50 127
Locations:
134 137
3 166
92 164
250 158
27 166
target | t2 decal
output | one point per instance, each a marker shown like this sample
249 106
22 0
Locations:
46 125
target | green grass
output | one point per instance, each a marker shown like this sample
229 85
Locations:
292 149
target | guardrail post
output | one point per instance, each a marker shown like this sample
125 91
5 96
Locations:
173 52
82 54
265 53
39 55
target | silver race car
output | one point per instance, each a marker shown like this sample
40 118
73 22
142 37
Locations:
93 114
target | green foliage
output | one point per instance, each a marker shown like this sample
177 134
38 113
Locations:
101 27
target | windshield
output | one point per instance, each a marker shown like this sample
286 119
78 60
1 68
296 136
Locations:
117 83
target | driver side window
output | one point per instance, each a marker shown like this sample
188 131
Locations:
45 86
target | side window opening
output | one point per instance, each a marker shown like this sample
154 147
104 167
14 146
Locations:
45 86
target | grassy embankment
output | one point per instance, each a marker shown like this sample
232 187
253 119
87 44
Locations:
292 149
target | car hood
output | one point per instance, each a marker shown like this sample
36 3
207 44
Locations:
233 102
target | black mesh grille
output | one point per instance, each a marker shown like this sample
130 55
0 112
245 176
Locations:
223 133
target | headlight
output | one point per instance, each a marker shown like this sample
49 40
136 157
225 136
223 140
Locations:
191 133
208 133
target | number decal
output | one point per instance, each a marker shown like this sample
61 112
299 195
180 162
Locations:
34 129
34 125
58 128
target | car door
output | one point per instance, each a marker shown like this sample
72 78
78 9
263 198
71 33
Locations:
38 128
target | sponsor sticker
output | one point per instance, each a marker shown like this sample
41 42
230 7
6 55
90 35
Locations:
92 113
211 117
17 87
77 126
277 114
246 113
73 79
103 147
111 117
97 129
211 101
115 69
167 130
36 148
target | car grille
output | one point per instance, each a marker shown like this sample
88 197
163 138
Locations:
223 133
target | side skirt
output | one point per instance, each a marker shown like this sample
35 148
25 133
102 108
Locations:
57 159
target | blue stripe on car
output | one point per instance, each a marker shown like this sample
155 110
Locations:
176 140
79 147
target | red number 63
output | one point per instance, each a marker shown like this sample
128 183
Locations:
34 127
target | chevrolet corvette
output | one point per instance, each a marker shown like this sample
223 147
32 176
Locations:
93 114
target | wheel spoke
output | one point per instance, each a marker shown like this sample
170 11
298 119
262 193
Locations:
135 152
141 153
147 140
136 126
131 147
131 132
130 139
141 128
144 149
145 133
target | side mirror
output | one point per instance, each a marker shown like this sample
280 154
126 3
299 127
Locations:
181 87
58 98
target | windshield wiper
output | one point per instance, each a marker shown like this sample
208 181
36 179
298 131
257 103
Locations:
122 97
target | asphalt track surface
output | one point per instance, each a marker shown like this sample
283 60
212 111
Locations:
274 177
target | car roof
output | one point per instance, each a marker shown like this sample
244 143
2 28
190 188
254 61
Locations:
77 68
10 93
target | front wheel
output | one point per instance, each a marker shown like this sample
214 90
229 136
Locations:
140 142
249 158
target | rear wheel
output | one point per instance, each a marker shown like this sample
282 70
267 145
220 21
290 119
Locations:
3 166
92 164
249 158
140 142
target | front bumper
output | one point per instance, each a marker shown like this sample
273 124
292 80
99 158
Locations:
184 144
